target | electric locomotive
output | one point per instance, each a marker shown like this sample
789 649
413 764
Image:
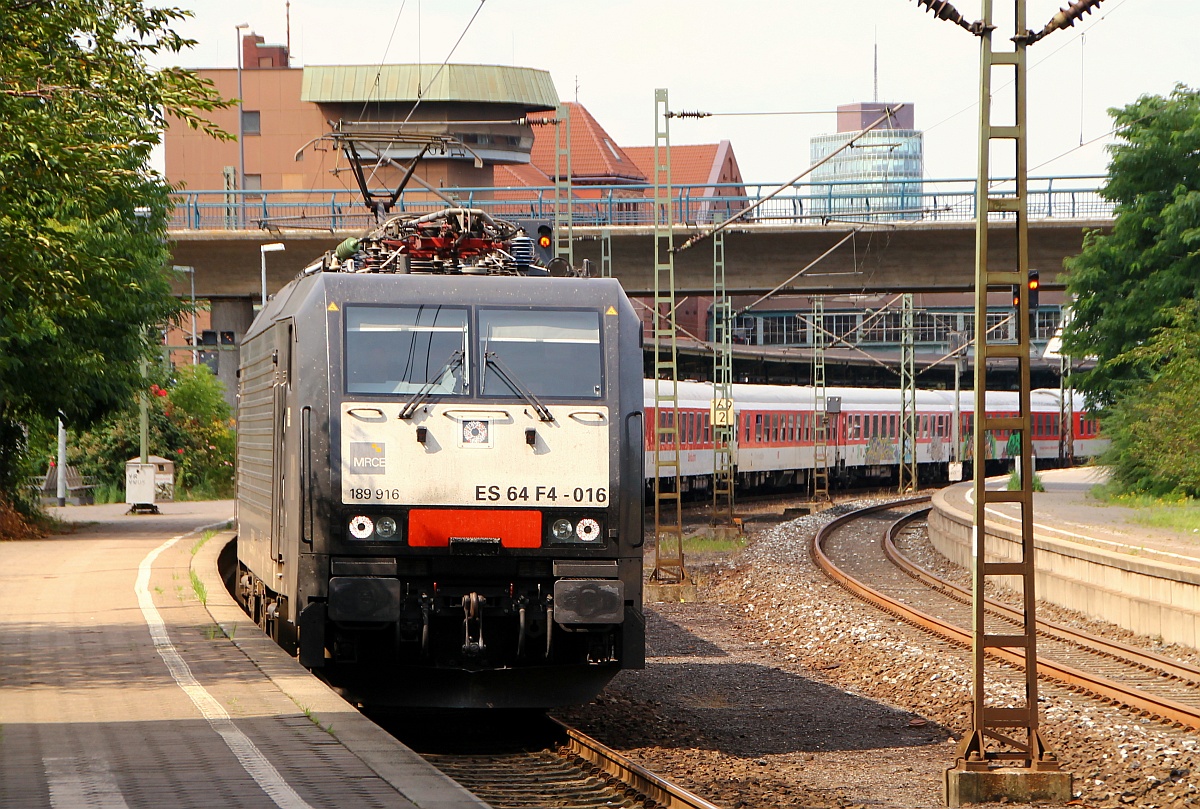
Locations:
440 470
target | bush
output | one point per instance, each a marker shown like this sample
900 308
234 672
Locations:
1154 432
1014 483
190 423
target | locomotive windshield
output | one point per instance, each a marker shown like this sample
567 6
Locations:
401 349
551 353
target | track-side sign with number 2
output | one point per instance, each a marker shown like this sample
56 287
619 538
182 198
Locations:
722 412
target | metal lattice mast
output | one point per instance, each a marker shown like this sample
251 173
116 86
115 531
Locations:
564 227
668 508
1066 399
820 400
724 426
909 481
1003 733
1066 411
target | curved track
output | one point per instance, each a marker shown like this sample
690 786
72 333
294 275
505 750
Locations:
857 550
574 772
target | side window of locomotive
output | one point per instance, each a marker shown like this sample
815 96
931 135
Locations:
548 352
402 349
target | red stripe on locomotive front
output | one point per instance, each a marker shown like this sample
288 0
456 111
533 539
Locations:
432 528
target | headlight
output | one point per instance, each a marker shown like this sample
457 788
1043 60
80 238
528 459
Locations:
588 530
361 527
386 527
562 530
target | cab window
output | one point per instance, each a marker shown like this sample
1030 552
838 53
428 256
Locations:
403 349
548 352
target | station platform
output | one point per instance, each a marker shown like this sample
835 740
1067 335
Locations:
1092 557
129 678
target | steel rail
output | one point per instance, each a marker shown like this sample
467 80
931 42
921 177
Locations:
660 790
1102 687
1142 658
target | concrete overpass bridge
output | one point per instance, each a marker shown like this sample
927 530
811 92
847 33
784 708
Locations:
905 240
906 258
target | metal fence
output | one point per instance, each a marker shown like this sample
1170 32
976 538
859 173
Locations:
1073 197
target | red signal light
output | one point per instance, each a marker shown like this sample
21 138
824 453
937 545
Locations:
544 241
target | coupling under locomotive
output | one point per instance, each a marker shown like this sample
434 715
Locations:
440 470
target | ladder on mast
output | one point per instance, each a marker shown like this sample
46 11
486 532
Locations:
908 399
668 508
820 401
564 227
722 420
1003 733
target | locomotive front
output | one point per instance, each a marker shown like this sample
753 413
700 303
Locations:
482 510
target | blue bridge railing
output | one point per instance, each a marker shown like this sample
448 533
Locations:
899 201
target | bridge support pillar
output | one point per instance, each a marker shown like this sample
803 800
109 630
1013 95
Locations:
230 315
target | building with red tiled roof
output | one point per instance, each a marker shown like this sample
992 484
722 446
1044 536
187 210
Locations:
596 159
699 164
712 171
519 175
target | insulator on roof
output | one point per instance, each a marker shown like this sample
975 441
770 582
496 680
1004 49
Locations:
1065 18
521 249
943 10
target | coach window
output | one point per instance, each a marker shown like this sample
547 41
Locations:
548 352
402 349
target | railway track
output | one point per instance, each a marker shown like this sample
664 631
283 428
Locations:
858 551
554 765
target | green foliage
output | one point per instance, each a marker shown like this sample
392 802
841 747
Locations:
199 588
1155 434
1172 512
82 216
1124 283
189 423
1014 483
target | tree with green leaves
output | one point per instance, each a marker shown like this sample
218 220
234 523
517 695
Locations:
1154 431
190 423
1126 283
83 217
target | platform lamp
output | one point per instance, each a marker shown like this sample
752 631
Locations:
241 134
263 250
191 271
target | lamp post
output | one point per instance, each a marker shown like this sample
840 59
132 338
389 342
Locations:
241 134
263 250
191 271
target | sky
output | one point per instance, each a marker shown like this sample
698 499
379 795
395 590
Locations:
768 57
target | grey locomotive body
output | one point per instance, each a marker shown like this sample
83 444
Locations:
440 484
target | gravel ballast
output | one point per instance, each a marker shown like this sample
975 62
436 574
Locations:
778 688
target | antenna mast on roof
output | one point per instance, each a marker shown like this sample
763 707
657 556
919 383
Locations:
876 99
287 14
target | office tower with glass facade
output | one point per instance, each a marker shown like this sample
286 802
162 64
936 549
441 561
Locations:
876 179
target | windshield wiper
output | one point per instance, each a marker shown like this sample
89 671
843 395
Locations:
511 380
455 362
